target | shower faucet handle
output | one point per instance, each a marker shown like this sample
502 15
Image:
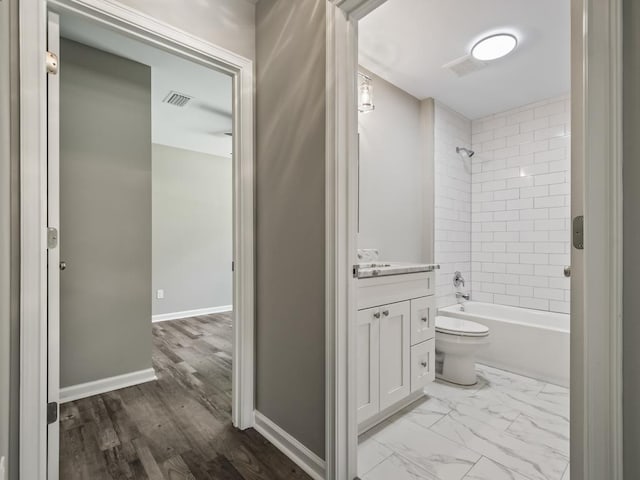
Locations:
458 279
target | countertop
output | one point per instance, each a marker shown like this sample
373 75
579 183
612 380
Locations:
382 269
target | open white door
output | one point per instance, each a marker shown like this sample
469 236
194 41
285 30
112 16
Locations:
53 251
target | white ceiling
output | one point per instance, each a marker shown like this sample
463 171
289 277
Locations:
201 125
407 42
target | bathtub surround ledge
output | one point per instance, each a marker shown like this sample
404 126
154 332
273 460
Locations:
88 389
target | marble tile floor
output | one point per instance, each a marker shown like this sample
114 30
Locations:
506 427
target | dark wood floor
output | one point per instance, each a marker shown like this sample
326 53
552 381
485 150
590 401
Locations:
178 427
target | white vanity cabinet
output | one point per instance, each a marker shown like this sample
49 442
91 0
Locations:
423 319
368 363
396 344
395 373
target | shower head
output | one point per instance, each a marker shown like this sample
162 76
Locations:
465 151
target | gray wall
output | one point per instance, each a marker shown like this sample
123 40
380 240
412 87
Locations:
5 223
228 23
392 166
105 223
631 179
192 229
290 324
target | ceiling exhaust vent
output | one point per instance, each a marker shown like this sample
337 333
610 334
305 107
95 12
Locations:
464 65
177 99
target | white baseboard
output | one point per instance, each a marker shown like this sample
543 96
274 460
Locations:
308 461
83 390
379 417
190 313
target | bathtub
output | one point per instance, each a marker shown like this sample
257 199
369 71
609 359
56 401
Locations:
529 342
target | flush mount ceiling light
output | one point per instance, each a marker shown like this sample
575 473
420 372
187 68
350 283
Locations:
494 46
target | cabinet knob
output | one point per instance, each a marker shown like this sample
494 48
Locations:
385 313
425 319
424 363
376 315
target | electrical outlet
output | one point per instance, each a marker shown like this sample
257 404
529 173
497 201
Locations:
160 294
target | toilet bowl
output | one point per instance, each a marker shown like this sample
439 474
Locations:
457 342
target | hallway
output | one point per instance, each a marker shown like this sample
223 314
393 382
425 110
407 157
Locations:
178 427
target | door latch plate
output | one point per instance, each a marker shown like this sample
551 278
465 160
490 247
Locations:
52 412
578 232
52 237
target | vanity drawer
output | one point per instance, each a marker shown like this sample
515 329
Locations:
423 319
423 364
384 290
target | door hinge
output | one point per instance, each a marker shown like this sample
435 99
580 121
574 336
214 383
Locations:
233 266
578 232
52 237
52 412
52 63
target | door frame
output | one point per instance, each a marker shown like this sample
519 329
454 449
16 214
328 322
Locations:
596 351
33 204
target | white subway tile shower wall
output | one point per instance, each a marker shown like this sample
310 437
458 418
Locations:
452 202
520 206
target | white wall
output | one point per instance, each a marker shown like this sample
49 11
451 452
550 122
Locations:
227 23
452 202
192 231
521 218
393 180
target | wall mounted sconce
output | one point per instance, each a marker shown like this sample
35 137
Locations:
365 94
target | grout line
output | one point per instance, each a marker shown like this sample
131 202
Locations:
470 393
472 467
520 414
381 461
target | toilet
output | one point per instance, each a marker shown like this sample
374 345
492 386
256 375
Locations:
457 342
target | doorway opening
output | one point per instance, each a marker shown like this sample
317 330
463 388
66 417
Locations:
118 117
145 150
470 361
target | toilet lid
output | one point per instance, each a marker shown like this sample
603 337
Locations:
458 326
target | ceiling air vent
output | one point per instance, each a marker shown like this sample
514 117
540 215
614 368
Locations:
464 65
178 99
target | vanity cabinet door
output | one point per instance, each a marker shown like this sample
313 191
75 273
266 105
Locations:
423 319
368 378
395 374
